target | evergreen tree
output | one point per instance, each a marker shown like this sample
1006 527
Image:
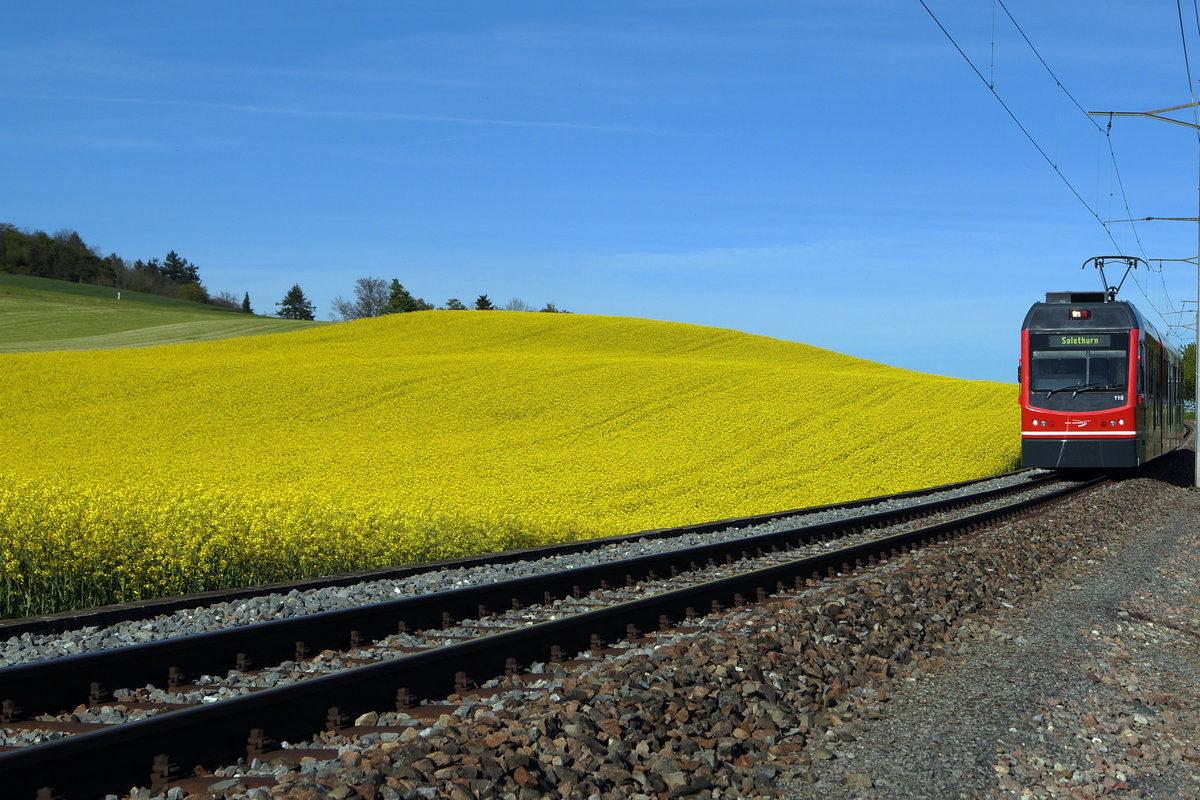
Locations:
482 303
400 301
295 305
178 270
246 309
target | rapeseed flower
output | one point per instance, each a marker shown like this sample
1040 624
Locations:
414 437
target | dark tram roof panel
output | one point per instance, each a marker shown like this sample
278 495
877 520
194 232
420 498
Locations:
1075 297
1055 313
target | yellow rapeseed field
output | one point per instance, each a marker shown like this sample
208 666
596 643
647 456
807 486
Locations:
164 470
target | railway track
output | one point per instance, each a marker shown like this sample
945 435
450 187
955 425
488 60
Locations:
145 609
413 650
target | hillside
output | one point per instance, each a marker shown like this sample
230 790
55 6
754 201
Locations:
431 434
40 314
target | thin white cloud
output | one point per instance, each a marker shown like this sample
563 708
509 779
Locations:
328 113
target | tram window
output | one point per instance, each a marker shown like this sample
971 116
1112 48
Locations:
1063 369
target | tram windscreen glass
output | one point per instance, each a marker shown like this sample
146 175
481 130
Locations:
1063 361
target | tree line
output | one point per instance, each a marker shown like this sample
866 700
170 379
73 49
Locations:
375 297
65 256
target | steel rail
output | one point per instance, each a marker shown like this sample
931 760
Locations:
91 764
141 609
52 685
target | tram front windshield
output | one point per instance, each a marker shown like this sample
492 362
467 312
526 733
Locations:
1074 362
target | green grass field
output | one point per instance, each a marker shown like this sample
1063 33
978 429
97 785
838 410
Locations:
39 314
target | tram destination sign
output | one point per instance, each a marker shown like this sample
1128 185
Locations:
1080 340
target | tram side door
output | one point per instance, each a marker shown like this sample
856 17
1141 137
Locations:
1154 444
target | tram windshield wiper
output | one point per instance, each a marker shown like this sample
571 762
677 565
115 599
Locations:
1094 387
1083 387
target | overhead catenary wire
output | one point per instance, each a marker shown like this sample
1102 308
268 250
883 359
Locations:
1106 131
1043 61
1187 64
1196 10
1061 89
1019 124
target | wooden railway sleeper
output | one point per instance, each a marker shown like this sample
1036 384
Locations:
335 720
97 694
162 772
259 744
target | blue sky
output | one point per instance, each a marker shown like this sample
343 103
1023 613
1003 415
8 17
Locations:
828 173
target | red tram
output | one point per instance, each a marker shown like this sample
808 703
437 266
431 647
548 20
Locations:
1100 388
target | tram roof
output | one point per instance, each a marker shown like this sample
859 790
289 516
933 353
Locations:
1083 311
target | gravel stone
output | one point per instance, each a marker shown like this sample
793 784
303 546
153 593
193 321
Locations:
960 670
29 647
1052 656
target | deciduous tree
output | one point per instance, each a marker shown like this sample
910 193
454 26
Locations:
370 300
1188 351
